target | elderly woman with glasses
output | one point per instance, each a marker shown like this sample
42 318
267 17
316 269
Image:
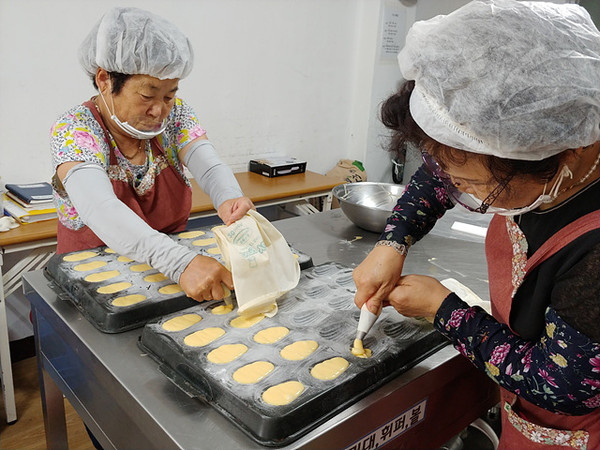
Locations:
503 99
119 157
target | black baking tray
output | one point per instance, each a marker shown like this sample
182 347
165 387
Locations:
98 307
320 308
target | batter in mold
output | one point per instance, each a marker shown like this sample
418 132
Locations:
128 300
284 393
79 256
170 289
140 268
155 278
246 322
191 234
101 276
109 250
271 335
222 309
181 322
298 350
329 369
226 353
253 373
359 350
213 251
206 336
124 259
115 287
93 265
204 242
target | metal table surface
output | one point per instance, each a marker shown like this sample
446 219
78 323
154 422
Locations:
127 403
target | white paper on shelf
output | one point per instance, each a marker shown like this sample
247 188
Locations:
469 228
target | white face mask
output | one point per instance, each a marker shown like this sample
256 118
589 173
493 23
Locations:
565 172
130 130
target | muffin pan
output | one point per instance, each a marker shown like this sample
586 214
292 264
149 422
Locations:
320 308
153 295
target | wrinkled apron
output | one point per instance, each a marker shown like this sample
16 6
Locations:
165 205
525 425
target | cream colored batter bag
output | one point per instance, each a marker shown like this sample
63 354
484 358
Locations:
261 262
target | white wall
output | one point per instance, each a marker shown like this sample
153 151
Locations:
271 76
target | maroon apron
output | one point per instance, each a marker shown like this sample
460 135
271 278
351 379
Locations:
525 425
165 206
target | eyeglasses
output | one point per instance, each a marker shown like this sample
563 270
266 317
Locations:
468 201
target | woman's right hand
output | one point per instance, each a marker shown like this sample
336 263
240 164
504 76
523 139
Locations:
377 276
202 278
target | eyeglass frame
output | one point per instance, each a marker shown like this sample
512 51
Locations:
435 169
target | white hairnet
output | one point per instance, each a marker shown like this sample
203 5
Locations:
133 41
513 79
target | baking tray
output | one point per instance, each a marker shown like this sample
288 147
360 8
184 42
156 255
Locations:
99 309
320 308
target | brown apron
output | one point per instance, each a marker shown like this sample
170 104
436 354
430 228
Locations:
165 206
525 425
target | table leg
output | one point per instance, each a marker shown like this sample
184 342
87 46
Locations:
53 404
8 387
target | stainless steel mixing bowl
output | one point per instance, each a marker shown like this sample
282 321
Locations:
368 204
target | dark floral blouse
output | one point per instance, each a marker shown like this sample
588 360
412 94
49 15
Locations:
554 364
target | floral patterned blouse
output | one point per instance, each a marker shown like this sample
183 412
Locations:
77 136
553 357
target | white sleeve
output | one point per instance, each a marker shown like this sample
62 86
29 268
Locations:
212 175
118 226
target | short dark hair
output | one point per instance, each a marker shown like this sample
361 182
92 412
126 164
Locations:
118 80
396 116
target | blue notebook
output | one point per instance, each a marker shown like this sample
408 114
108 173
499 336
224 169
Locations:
31 193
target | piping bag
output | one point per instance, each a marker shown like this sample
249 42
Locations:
365 323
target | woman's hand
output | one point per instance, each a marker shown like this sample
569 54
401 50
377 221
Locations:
202 278
376 276
418 296
234 209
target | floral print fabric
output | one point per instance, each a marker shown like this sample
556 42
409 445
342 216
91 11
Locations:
547 436
560 372
415 214
77 136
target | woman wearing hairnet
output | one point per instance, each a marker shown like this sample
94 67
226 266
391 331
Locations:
503 99
119 157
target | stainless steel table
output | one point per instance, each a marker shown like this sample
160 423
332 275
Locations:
127 403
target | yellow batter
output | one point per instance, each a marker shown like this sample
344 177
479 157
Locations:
128 300
246 322
109 250
204 242
115 287
140 267
125 259
191 234
329 369
298 350
155 278
213 251
204 337
90 266
253 373
359 350
284 393
101 276
170 289
226 353
79 256
271 335
222 309
181 322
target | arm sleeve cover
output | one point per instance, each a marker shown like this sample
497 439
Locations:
212 175
121 229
